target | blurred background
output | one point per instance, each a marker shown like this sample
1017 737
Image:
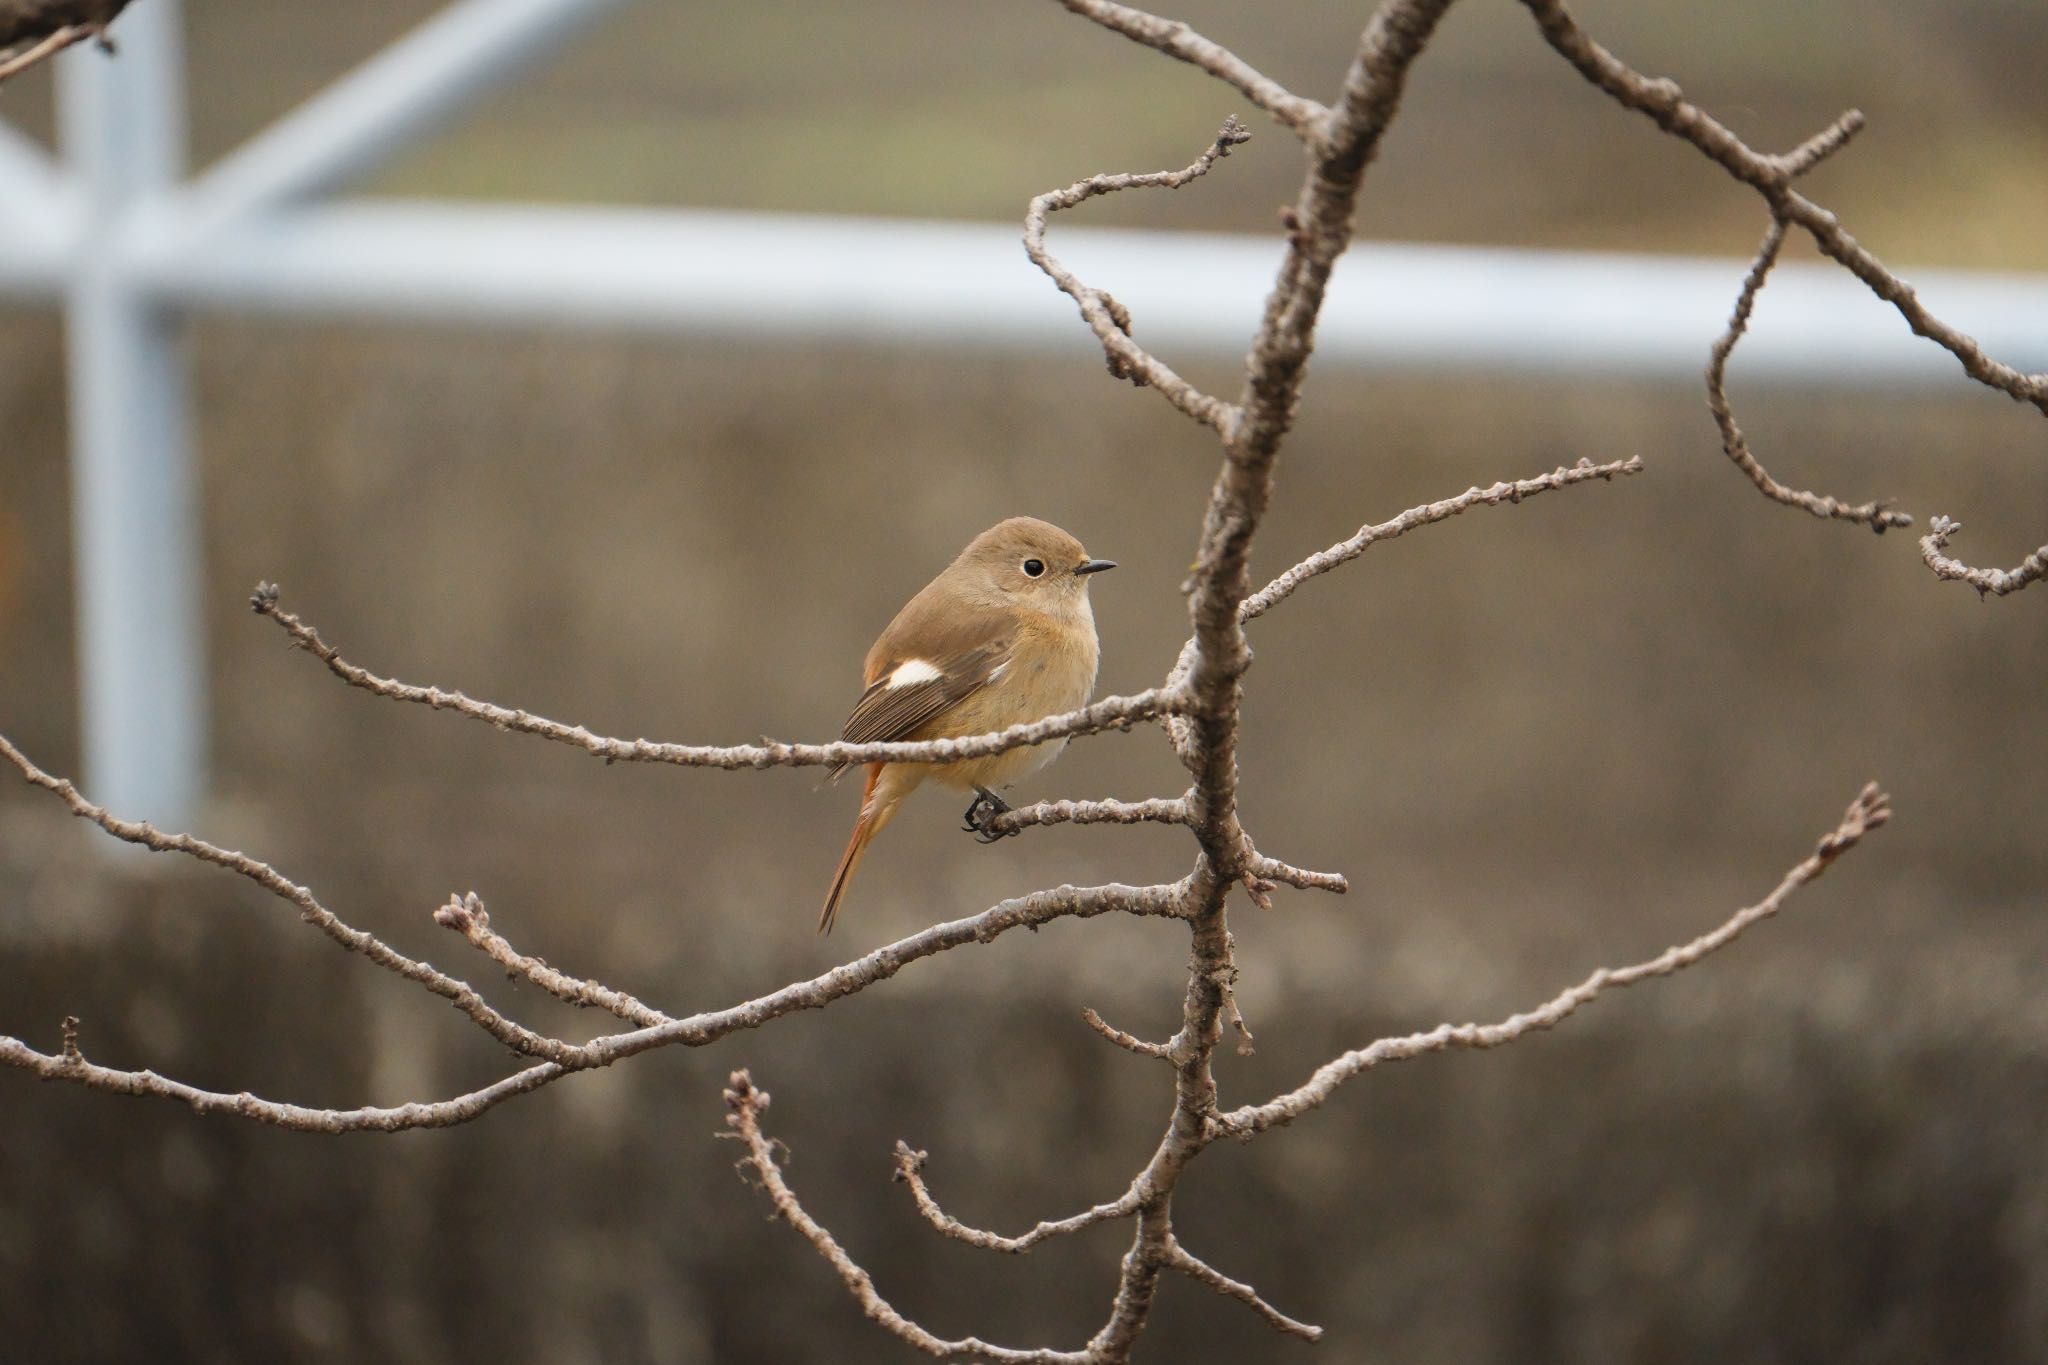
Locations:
1538 739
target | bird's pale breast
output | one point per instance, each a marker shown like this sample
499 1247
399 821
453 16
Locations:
1051 671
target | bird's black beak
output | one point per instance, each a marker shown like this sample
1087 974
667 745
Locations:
1095 565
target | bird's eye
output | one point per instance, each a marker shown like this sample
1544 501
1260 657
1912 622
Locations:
1033 568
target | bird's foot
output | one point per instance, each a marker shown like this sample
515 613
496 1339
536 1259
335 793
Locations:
980 817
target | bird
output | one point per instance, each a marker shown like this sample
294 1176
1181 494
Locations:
1004 635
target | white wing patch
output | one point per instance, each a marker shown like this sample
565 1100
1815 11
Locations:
996 673
911 672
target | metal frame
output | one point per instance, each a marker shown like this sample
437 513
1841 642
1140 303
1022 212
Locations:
130 247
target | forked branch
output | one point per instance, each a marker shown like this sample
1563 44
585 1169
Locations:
743 1105
1110 320
1665 104
1876 515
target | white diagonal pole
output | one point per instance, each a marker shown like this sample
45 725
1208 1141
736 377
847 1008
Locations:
388 103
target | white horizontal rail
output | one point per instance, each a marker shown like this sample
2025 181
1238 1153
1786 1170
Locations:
1191 293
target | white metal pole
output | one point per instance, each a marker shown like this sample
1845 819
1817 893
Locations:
141 632
388 103
31 202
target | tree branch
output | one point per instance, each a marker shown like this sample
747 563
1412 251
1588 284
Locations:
1665 104
1107 318
1868 811
1111 713
1876 515
71 1067
1200 1271
910 1170
743 1104
1304 117
1987 582
47 27
458 993
1273 870
466 916
1166 810
1344 551
1128 1041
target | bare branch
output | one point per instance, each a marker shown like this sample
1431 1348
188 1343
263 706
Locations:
70 1066
696 1030
1107 318
458 993
1987 582
50 46
1200 1271
743 1104
1876 515
47 27
1128 1041
1216 659
466 916
1868 811
1820 146
910 1170
1304 117
1344 551
1665 104
1165 810
1273 870
1111 713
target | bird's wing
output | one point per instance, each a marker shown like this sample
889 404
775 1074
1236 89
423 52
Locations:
908 692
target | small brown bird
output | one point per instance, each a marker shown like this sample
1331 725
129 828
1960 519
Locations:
1003 636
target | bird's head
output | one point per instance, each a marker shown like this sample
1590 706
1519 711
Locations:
1033 563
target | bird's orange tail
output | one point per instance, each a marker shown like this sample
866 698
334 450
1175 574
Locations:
873 815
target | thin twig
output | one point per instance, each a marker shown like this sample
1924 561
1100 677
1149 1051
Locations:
1200 1271
466 915
1987 582
743 1105
50 26
1111 713
1304 117
1344 551
1876 515
1164 810
1868 811
910 1170
1107 318
50 46
1130 1042
447 1113
1272 869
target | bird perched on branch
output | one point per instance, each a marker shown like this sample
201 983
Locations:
1003 636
